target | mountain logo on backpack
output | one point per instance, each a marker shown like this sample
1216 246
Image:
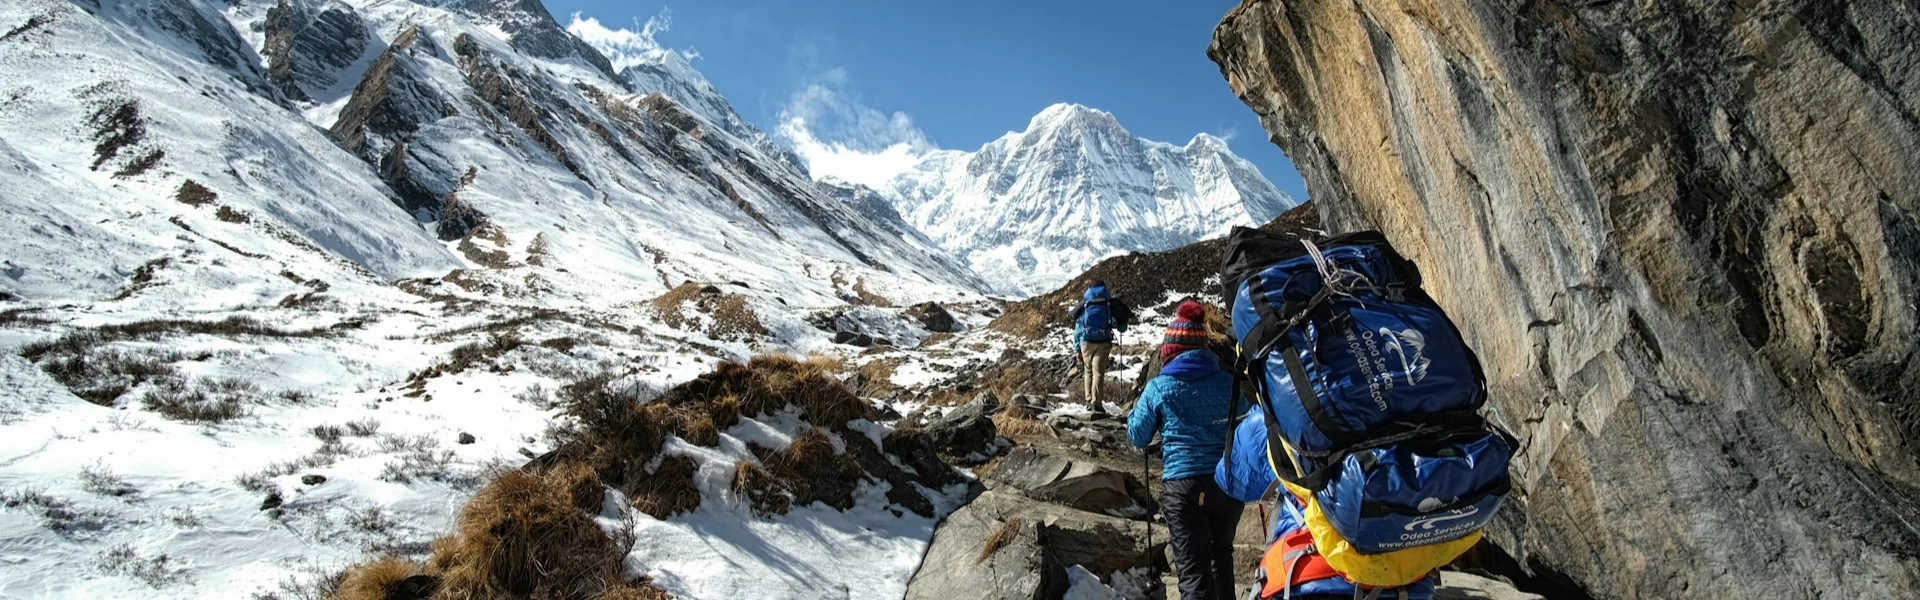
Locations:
1398 343
1431 522
1369 403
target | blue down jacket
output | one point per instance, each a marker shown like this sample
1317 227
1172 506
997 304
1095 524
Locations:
1187 405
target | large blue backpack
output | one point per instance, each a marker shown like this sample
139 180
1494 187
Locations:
1369 394
1096 315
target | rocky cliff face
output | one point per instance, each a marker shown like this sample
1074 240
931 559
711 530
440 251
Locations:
1683 237
306 50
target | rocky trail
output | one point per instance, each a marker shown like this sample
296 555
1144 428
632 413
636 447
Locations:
1062 512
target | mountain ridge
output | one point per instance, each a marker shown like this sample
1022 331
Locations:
1035 207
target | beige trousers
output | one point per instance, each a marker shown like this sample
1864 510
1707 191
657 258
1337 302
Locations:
1094 357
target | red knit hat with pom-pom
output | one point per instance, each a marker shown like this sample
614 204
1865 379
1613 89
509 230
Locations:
1188 331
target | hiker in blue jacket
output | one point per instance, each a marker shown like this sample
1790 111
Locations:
1187 404
1095 322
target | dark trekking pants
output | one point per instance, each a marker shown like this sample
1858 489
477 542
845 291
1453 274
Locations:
1201 520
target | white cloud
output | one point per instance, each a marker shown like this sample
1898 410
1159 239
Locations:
840 137
626 47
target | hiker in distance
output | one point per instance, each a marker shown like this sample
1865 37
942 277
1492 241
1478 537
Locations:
1187 405
1096 323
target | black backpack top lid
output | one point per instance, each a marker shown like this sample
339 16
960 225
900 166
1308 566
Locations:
1250 251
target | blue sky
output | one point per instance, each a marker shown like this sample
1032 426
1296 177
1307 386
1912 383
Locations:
863 77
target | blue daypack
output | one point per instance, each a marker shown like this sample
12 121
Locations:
1370 397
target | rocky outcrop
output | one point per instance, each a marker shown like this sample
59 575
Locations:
934 317
393 99
1061 479
306 51
966 434
1005 546
530 29
1683 237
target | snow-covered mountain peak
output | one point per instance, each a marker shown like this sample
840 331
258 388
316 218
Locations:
1210 143
1034 208
531 30
1066 115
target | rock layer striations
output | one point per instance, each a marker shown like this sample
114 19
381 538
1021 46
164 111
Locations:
1682 236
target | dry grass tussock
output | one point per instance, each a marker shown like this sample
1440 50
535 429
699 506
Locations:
1024 425
525 535
875 377
1116 392
530 533
1039 376
669 491
729 316
98 366
810 470
1000 537
375 580
617 435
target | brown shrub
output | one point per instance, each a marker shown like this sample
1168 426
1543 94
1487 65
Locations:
375 580
697 428
809 455
1117 392
638 590
768 384
232 215
876 378
201 401
191 193
832 363
115 128
524 535
826 402
813 471
766 494
725 412
731 317
1000 537
140 165
1018 428
611 430
669 490
936 339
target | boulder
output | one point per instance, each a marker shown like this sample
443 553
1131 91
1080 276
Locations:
1455 585
967 433
852 338
933 317
1683 237
1050 476
982 551
1003 545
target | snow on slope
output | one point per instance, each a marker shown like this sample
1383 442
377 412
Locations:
168 165
1035 208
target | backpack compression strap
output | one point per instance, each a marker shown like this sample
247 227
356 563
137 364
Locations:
1270 334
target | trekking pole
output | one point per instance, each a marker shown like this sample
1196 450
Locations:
1146 476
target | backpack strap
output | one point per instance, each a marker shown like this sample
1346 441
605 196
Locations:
1233 419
